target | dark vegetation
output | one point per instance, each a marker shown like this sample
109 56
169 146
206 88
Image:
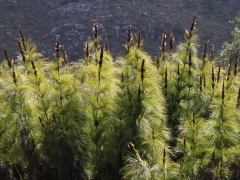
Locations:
175 116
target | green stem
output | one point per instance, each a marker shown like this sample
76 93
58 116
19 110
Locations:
18 173
60 92
42 101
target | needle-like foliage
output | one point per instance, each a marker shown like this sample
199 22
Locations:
176 117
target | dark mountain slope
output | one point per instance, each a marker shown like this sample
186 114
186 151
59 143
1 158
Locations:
72 20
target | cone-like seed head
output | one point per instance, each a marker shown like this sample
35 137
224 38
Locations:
57 48
23 39
7 58
193 25
212 53
33 65
21 50
65 58
14 76
129 33
87 51
131 146
163 42
95 29
139 40
106 44
205 51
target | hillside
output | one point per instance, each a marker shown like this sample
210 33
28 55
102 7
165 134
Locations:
72 21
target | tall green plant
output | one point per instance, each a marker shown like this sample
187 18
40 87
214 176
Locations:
142 114
184 84
46 112
223 131
131 118
98 87
64 135
18 116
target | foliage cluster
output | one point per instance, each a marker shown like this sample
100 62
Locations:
229 48
172 117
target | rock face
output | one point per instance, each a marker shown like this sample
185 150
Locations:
72 21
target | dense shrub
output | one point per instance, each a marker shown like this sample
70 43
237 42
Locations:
172 117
